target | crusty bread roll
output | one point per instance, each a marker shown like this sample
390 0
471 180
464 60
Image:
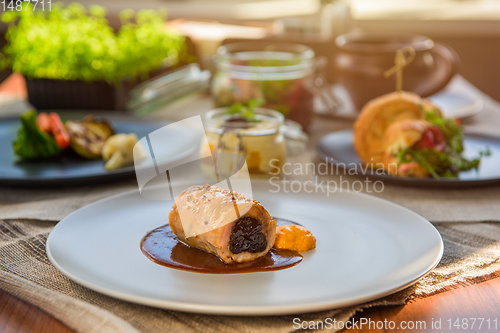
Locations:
374 119
403 134
388 123
399 136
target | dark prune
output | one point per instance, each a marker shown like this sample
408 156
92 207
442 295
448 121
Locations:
247 236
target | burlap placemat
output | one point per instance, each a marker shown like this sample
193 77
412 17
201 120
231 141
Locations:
54 203
471 254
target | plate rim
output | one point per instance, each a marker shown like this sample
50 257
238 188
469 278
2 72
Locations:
244 310
477 105
408 181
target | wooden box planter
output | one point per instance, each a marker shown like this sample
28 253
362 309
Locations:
46 94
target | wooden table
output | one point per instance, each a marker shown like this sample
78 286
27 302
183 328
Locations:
475 301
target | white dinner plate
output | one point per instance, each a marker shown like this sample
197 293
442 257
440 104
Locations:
366 248
457 105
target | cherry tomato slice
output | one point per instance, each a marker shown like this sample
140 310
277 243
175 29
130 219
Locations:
426 142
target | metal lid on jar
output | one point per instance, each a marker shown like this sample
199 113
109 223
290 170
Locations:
269 122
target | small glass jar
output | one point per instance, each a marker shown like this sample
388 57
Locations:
261 142
281 74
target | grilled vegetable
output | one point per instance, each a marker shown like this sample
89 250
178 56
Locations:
87 137
118 151
43 122
31 142
58 131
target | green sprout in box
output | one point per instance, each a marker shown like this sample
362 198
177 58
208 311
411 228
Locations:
73 43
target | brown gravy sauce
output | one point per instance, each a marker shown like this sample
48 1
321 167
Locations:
162 247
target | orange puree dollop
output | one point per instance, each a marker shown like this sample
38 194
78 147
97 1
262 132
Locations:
294 237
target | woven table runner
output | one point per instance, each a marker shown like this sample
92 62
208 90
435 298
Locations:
471 255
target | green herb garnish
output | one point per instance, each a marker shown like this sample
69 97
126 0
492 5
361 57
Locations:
453 133
31 142
445 164
247 112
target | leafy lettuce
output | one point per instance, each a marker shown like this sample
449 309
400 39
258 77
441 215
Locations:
445 164
31 142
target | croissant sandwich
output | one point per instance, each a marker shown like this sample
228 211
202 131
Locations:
409 137
225 223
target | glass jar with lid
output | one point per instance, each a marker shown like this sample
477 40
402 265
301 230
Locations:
281 74
261 142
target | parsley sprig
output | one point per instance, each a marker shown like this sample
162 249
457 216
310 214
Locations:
246 112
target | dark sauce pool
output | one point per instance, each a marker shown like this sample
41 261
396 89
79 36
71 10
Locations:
162 247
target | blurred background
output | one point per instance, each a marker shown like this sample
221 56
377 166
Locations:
470 27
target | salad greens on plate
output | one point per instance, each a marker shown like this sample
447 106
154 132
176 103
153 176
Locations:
32 142
449 161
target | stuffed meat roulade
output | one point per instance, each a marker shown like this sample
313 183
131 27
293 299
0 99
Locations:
225 223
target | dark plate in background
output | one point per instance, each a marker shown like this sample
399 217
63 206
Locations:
68 168
337 148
